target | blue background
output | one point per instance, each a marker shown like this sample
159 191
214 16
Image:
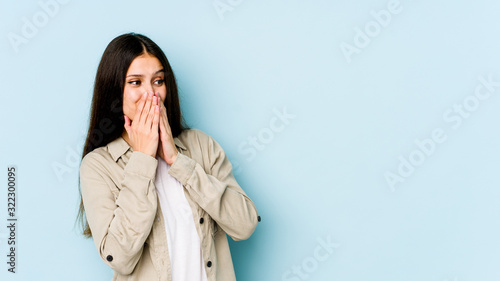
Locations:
319 176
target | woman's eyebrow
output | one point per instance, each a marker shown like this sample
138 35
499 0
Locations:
140 75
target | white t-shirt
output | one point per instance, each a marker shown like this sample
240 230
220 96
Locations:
184 248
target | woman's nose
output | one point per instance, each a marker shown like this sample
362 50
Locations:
148 88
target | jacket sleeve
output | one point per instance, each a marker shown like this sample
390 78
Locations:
120 223
217 191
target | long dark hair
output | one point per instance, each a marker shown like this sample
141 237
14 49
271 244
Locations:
106 114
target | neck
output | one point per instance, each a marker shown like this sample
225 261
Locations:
125 137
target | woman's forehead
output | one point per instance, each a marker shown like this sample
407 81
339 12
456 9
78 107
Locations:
145 65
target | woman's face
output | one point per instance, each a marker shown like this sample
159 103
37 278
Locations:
145 74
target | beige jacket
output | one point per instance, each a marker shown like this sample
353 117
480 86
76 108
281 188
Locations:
124 214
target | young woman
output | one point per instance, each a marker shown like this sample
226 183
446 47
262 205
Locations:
158 198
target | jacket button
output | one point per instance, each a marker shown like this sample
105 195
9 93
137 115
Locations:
209 263
201 220
258 218
109 258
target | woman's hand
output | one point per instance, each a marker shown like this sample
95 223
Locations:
143 132
166 149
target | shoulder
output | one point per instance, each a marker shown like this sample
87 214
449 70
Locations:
194 137
98 158
193 133
198 142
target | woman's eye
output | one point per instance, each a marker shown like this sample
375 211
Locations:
135 82
159 82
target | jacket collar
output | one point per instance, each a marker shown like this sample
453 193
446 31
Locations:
119 146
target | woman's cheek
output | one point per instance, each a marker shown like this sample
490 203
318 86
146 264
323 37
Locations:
133 104
132 111
163 95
